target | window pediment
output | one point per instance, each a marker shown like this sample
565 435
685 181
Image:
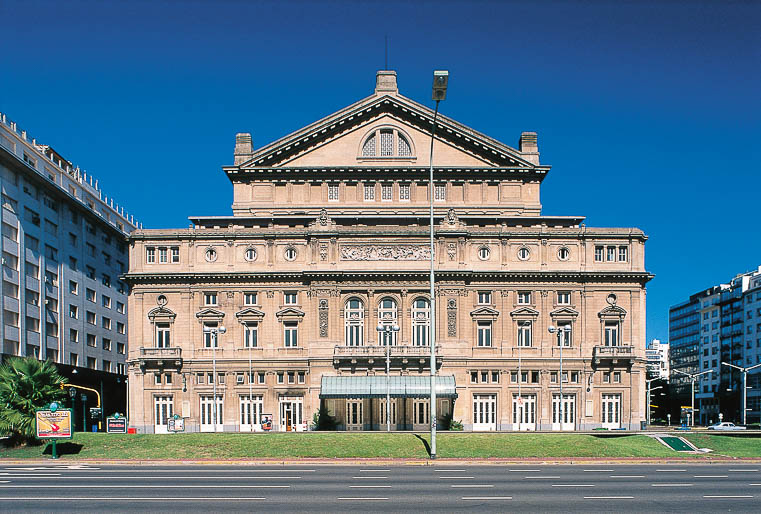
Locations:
290 314
161 314
564 312
484 313
613 312
210 315
524 312
249 314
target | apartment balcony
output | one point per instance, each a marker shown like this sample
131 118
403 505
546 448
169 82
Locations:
613 356
374 357
160 358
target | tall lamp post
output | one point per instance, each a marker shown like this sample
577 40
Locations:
692 377
649 392
213 333
439 93
560 331
385 331
745 385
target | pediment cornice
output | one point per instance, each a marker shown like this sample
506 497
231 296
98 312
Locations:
161 313
612 311
526 312
484 312
249 314
209 313
564 312
289 312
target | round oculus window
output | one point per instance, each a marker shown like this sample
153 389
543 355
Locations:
211 254
290 253
250 254
483 253
564 253
524 253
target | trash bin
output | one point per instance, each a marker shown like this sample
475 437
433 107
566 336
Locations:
95 428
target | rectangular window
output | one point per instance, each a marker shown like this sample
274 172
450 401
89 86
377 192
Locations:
90 249
91 318
606 377
150 255
369 189
73 359
210 299
210 336
120 308
565 331
90 272
73 311
484 297
51 253
524 297
120 348
524 333
73 335
404 192
440 192
106 280
484 333
611 333
564 298
495 377
290 333
333 192
73 263
302 377
291 377
611 253
175 254
106 343
106 258
623 253
386 192
90 295
106 301
616 377
474 377
250 334
200 378
163 255
120 327
260 377
289 298
91 340
280 378
162 335
599 253
249 298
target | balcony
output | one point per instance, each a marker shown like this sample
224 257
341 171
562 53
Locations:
612 356
160 358
374 357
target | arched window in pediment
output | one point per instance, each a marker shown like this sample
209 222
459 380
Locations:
387 142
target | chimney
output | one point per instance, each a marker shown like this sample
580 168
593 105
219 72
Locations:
385 83
529 147
244 148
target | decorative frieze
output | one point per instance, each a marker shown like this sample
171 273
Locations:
451 317
397 252
324 314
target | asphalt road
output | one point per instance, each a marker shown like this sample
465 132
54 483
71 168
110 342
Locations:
246 488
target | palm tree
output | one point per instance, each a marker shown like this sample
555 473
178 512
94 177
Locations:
26 384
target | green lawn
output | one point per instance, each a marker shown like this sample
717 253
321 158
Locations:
380 445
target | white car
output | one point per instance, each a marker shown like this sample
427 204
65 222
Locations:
726 425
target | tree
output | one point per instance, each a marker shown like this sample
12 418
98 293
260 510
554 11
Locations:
26 384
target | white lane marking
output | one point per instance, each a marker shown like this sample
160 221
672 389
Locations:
471 486
598 470
573 485
5 481
370 486
449 470
54 468
727 496
478 498
627 476
168 477
541 478
133 486
456 478
711 476
609 497
361 499
754 484
132 498
374 470
370 478
671 471
672 485
56 475
741 470
525 470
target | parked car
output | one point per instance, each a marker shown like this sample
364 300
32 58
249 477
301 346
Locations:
726 425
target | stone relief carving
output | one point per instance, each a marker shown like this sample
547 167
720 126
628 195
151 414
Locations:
451 317
400 252
323 318
451 251
270 294
323 251
504 293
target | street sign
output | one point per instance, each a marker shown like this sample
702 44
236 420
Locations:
116 425
176 424
53 424
94 412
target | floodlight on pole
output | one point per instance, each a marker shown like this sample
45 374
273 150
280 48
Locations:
692 378
745 385
440 82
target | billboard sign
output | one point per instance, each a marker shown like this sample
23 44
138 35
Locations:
54 424
116 425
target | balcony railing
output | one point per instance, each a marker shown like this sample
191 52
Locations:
613 354
375 356
160 357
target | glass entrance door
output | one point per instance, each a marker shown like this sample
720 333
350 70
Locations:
164 409
291 413
250 413
611 411
207 414
563 418
484 412
354 415
524 412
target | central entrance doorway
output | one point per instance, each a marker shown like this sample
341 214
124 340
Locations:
207 414
524 412
291 412
611 411
564 416
484 412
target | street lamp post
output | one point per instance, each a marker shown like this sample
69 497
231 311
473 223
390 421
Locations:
214 332
692 377
439 93
649 392
385 331
560 331
745 385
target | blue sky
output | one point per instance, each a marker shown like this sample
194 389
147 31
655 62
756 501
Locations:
649 112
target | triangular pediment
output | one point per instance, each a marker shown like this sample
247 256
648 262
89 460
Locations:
564 311
210 313
484 312
161 312
290 312
337 139
524 311
612 311
249 313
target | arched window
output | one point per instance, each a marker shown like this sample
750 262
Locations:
404 147
354 320
368 149
387 315
386 142
421 322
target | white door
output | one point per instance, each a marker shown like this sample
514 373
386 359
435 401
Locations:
563 418
291 413
207 414
164 409
524 412
484 412
251 413
611 411
354 415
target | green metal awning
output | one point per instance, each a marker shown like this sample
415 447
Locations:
375 387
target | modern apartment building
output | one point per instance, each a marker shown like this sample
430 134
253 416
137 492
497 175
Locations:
715 326
64 247
657 355
328 240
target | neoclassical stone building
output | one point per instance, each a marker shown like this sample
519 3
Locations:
328 238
